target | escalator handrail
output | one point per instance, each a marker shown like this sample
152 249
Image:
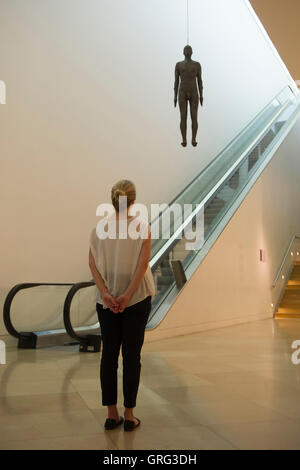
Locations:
67 308
170 242
213 161
11 295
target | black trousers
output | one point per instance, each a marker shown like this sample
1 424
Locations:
126 329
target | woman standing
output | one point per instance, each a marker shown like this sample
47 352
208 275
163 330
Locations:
124 289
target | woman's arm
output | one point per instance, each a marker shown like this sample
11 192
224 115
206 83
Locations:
109 300
138 275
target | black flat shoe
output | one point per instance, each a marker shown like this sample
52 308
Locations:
130 425
112 423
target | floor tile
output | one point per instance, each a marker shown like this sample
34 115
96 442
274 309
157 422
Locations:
230 388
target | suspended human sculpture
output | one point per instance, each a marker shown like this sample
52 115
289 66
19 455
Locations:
188 72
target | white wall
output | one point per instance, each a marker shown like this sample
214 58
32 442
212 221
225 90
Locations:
90 101
232 285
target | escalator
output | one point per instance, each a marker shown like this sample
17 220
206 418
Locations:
55 336
213 197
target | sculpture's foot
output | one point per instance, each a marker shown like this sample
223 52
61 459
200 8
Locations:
183 143
194 143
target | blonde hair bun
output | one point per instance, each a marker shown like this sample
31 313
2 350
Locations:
123 188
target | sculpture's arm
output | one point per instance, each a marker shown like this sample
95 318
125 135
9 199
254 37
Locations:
200 84
176 84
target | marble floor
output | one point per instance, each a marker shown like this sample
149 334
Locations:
230 388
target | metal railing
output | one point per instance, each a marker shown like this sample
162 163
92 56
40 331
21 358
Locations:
287 253
281 279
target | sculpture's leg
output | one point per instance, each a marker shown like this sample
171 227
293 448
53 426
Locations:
183 119
194 117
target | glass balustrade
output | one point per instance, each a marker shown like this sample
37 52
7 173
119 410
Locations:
213 192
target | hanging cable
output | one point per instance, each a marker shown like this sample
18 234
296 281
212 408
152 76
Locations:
188 22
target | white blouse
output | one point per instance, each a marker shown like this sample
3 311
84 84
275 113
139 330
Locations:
116 260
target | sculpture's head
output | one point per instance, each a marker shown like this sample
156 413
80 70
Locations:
187 51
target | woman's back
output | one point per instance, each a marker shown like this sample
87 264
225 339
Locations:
117 256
